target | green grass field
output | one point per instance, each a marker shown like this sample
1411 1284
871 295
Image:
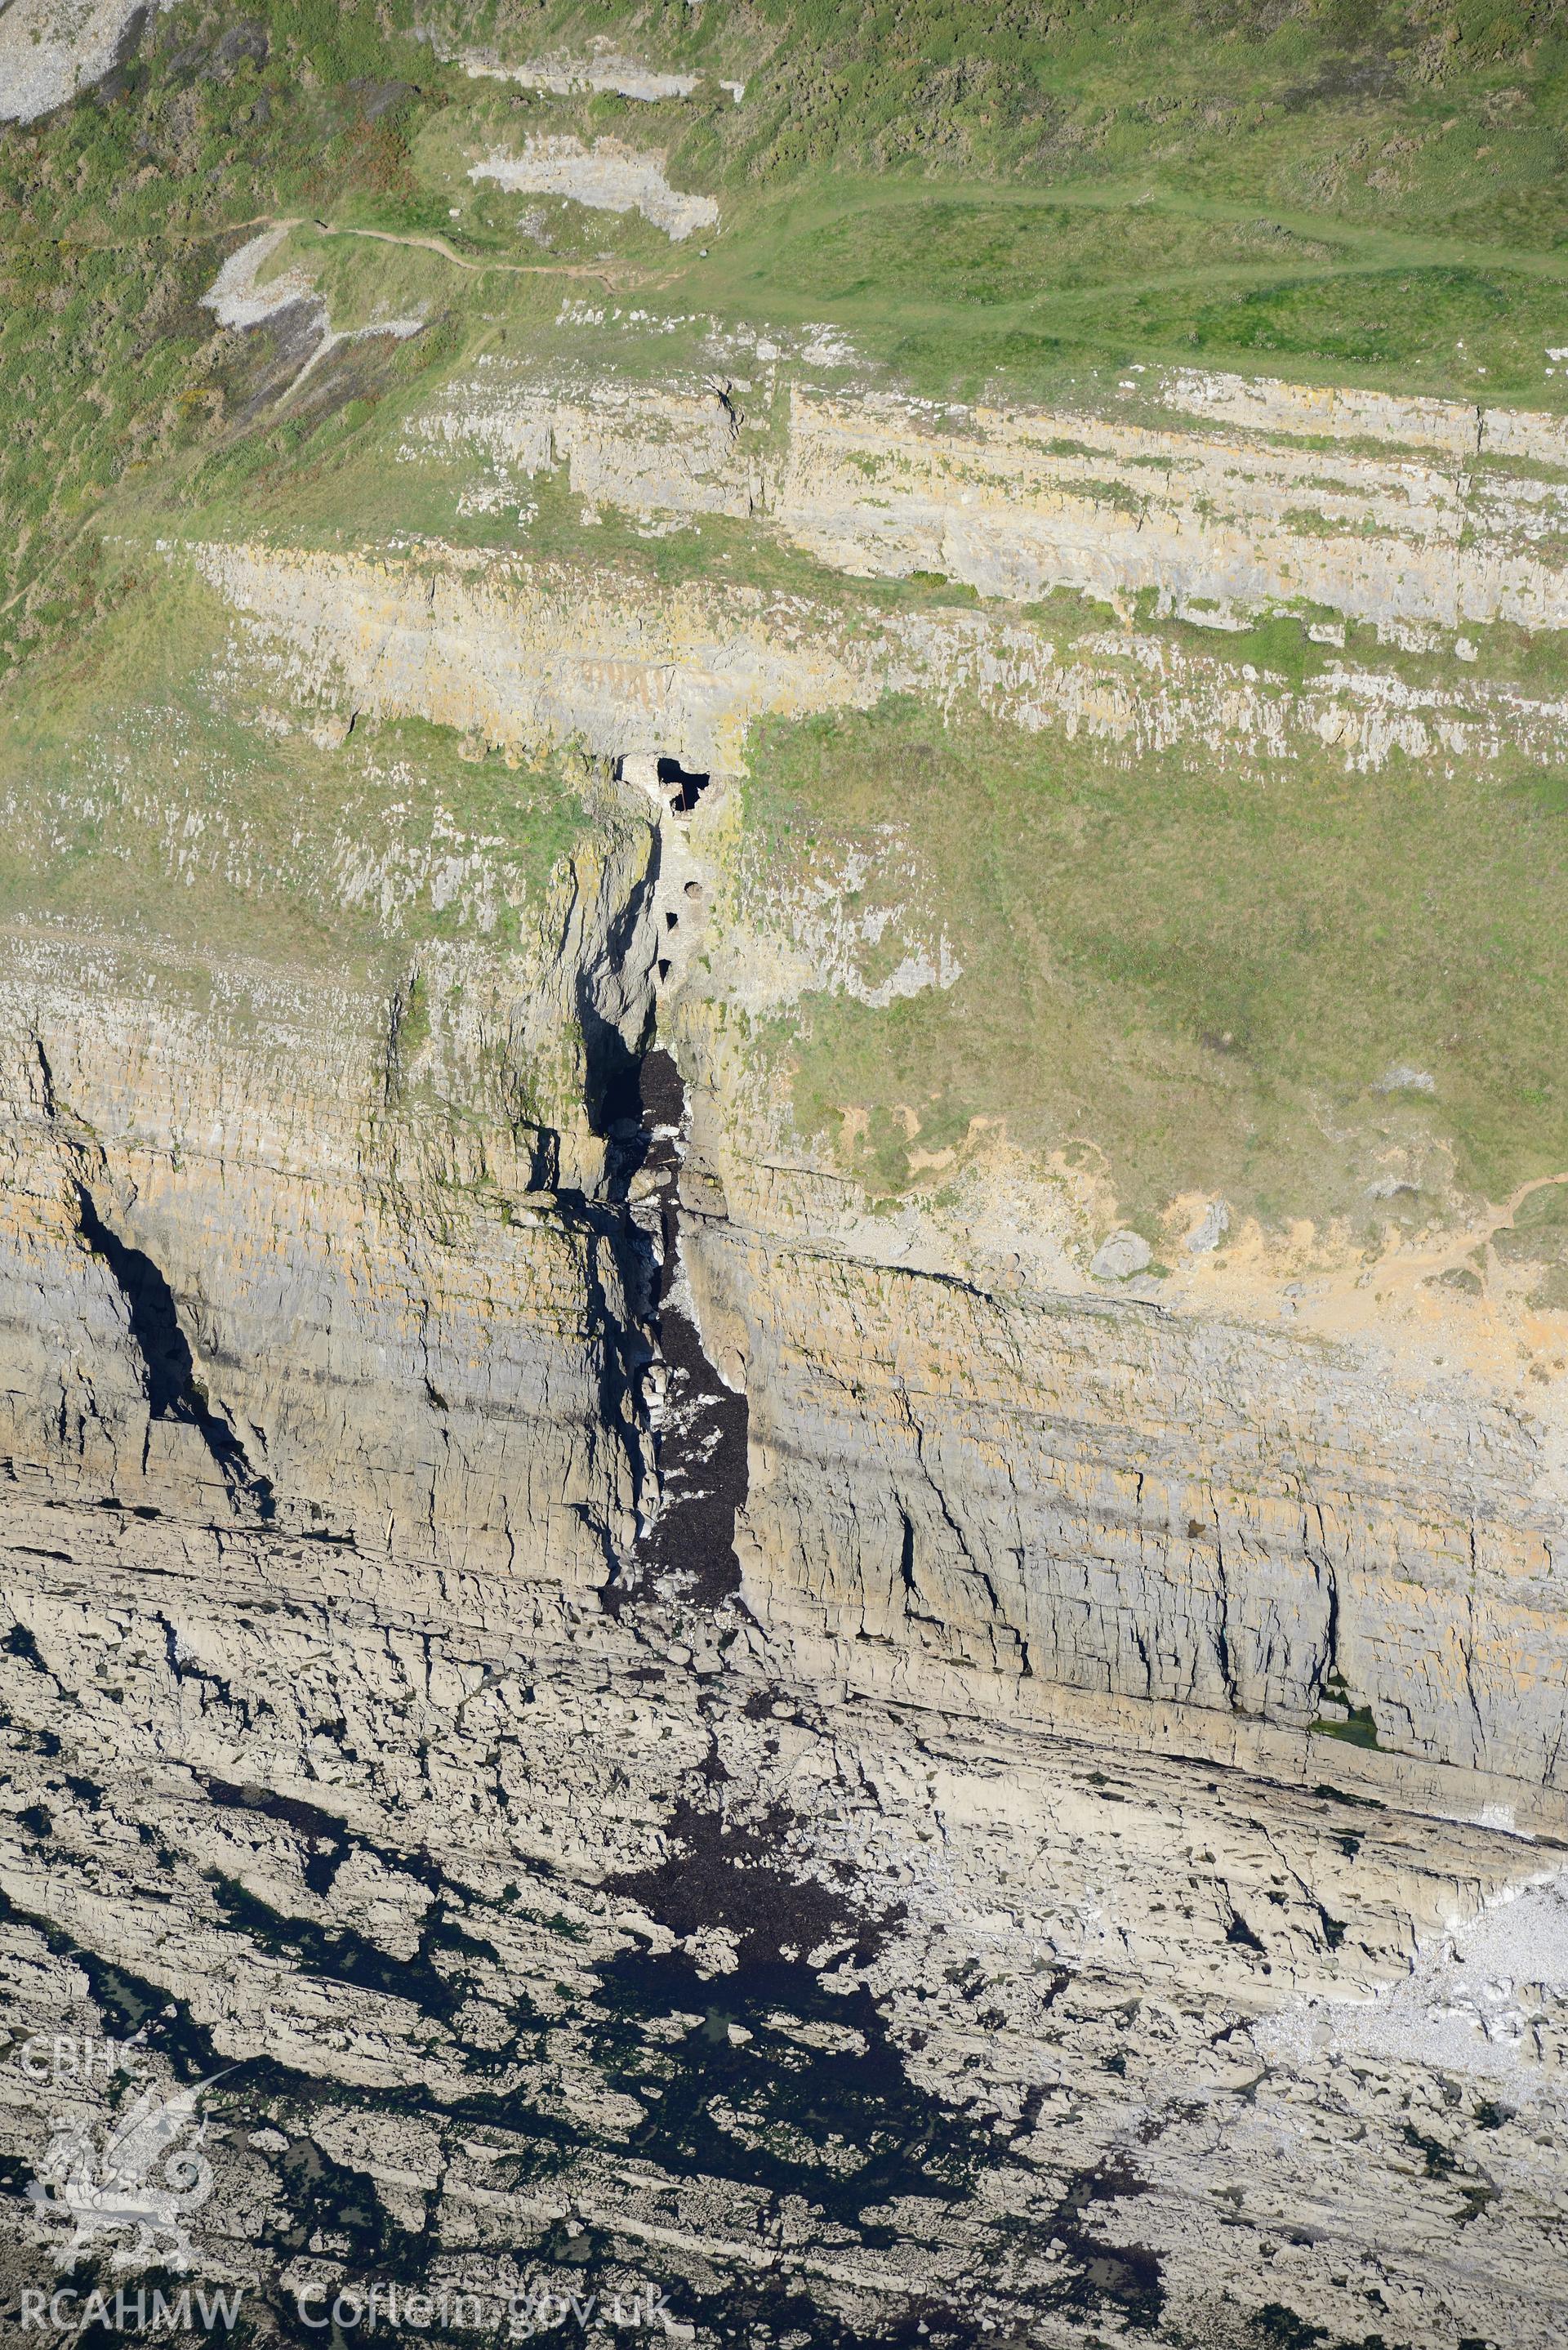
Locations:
1190 966
148 792
984 201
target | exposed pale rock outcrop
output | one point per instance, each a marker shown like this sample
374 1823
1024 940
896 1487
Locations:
50 50
406 1865
1019 503
515 654
1092 1863
994 500
236 300
1341 412
405 1349
607 177
1056 1496
603 70
529 653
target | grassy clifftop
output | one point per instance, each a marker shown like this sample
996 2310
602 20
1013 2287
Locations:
986 198
1207 972
1358 108
1189 966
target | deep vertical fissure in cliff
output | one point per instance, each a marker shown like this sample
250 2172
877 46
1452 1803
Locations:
168 1371
683 1428
613 994
698 1424
690 1426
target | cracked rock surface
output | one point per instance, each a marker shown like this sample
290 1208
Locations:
594 1948
609 1766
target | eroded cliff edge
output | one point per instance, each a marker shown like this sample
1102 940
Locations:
263 1276
1107 1671
1255 1478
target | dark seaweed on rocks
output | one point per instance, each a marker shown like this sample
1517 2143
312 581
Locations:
700 1447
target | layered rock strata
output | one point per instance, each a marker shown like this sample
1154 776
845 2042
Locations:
541 1951
657 1727
764 1945
1078 1508
256 1272
520 654
1429 529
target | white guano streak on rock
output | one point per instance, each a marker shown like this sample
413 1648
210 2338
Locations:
607 177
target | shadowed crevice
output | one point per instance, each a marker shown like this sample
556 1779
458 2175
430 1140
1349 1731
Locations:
173 1391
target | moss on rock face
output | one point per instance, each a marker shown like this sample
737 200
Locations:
1357 1728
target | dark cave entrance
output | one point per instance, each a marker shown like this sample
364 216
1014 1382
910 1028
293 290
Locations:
683 786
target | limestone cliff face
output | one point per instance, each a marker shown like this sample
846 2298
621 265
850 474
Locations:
258 1274
521 654
1186 1513
1429 528
1202 1518
1125 1761
1000 501
1075 1511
